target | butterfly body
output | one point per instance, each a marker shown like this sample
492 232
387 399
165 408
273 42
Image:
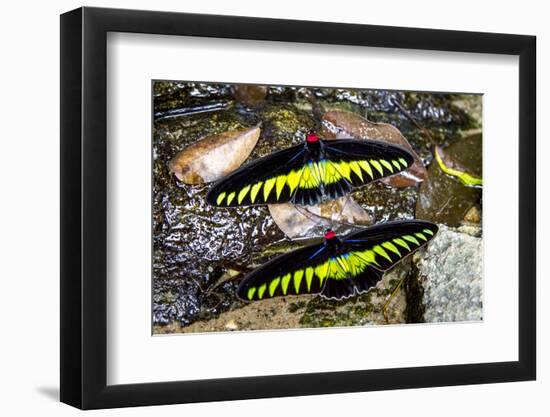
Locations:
310 173
339 267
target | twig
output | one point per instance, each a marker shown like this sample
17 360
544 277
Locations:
415 122
192 110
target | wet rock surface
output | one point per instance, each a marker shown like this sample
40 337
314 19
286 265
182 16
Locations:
200 253
445 199
451 272
250 95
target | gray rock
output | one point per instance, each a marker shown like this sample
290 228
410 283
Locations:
451 271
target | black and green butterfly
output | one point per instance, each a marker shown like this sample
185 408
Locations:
310 173
338 267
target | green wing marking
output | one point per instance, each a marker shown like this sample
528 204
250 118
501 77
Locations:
296 175
299 272
338 271
374 250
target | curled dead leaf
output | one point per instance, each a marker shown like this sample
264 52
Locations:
213 157
340 215
342 124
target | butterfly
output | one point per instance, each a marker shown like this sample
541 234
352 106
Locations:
310 173
338 267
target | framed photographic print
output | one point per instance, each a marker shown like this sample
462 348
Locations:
257 208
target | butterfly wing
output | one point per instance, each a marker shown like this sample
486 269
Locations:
348 164
295 175
268 180
294 273
375 158
367 254
357 265
345 165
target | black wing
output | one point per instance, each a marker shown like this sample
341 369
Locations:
296 272
367 254
296 175
268 180
338 271
348 164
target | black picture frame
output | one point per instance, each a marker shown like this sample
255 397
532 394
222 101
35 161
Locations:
84 207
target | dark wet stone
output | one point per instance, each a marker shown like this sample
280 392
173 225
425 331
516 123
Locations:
444 199
249 95
467 153
384 202
171 95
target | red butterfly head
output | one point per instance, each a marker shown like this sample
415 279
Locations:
329 234
311 137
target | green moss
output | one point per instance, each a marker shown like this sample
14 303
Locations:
294 307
